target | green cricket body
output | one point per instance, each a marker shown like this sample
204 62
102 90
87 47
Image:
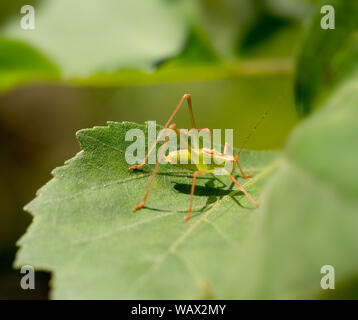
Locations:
205 160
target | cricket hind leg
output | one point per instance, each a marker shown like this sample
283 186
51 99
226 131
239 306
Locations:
227 148
196 173
187 97
241 188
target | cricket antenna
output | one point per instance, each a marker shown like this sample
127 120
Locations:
274 104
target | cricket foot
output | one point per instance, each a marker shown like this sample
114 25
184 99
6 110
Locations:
139 206
137 166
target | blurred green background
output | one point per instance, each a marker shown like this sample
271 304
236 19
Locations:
91 61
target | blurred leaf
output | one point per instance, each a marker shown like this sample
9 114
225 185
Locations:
271 37
327 55
294 9
127 62
176 71
94 36
233 24
20 63
197 50
310 210
225 22
85 231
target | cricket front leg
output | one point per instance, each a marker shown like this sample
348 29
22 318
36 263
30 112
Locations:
141 205
138 166
227 149
187 97
245 176
241 188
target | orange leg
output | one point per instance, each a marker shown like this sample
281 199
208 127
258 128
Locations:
196 173
188 98
245 176
141 205
244 191
228 147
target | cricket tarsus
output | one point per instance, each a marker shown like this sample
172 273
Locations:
229 158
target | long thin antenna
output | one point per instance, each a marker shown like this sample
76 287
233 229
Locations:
274 104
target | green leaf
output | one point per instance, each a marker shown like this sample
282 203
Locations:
309 216
20 63
85 232
327 56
